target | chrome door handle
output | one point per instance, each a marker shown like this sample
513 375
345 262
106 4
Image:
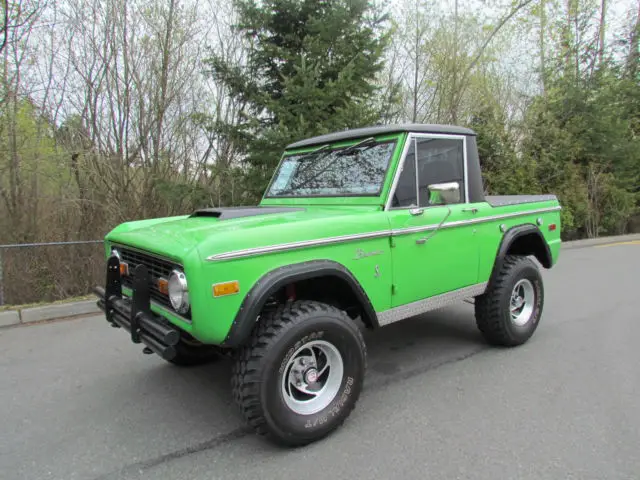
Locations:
470 210
421 241
416 211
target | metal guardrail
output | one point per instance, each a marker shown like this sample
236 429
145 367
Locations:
33 245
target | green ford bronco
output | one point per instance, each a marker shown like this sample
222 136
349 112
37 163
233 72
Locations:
360 227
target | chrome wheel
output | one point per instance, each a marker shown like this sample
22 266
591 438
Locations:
522 302
312 377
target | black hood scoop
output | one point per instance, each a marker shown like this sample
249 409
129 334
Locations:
227 213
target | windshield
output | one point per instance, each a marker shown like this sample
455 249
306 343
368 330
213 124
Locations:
344 171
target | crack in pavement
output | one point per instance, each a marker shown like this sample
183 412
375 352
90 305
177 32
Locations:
414 372
141 467
241 432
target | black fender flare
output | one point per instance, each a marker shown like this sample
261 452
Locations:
272 281
510 237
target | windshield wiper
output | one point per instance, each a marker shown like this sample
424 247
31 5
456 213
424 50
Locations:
304 168
315 152
367 142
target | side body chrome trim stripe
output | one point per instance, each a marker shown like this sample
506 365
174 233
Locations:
296 245
471 221
248 252
432 303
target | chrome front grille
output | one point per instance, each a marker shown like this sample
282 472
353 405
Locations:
157 267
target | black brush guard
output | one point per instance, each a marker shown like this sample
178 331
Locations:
134 314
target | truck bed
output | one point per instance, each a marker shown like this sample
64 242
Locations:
504 200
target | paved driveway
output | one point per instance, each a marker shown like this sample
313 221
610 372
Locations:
79 401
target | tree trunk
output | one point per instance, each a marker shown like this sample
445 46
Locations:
543 53
416 68
453 107
161 104
602 30
633 60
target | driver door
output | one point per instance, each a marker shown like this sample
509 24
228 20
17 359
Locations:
435 250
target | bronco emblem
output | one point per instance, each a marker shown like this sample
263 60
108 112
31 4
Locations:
362 254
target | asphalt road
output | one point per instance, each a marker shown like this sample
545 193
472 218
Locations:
79 401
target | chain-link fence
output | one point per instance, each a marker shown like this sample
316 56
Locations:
39 272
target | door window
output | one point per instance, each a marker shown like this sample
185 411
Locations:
406 193
439 160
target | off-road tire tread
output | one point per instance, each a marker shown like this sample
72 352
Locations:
487 306
245 381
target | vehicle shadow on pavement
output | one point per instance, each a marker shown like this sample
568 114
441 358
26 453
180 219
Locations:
191 410
393 352
422 342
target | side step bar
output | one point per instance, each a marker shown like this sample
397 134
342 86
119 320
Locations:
134 315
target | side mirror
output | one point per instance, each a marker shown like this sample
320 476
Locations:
444 193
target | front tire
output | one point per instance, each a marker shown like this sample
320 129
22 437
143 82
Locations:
509 311
301 374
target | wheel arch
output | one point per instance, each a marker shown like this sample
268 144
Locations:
306 275
526 239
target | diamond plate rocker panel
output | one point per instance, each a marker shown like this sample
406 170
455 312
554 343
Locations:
428 304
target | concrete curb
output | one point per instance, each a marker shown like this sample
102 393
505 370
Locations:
9 318
60 311
590 242
48 312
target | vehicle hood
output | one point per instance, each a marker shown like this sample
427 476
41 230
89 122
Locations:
214 231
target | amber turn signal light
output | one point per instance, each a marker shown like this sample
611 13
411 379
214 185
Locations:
226 288
124 269
163 286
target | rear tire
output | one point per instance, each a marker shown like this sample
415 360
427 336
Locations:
300 375
509 311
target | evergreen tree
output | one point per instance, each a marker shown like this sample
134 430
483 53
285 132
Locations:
581 136
311 69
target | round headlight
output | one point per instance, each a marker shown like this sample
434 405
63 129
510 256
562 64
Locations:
178 292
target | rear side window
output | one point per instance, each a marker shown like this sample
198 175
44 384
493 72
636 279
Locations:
439 160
